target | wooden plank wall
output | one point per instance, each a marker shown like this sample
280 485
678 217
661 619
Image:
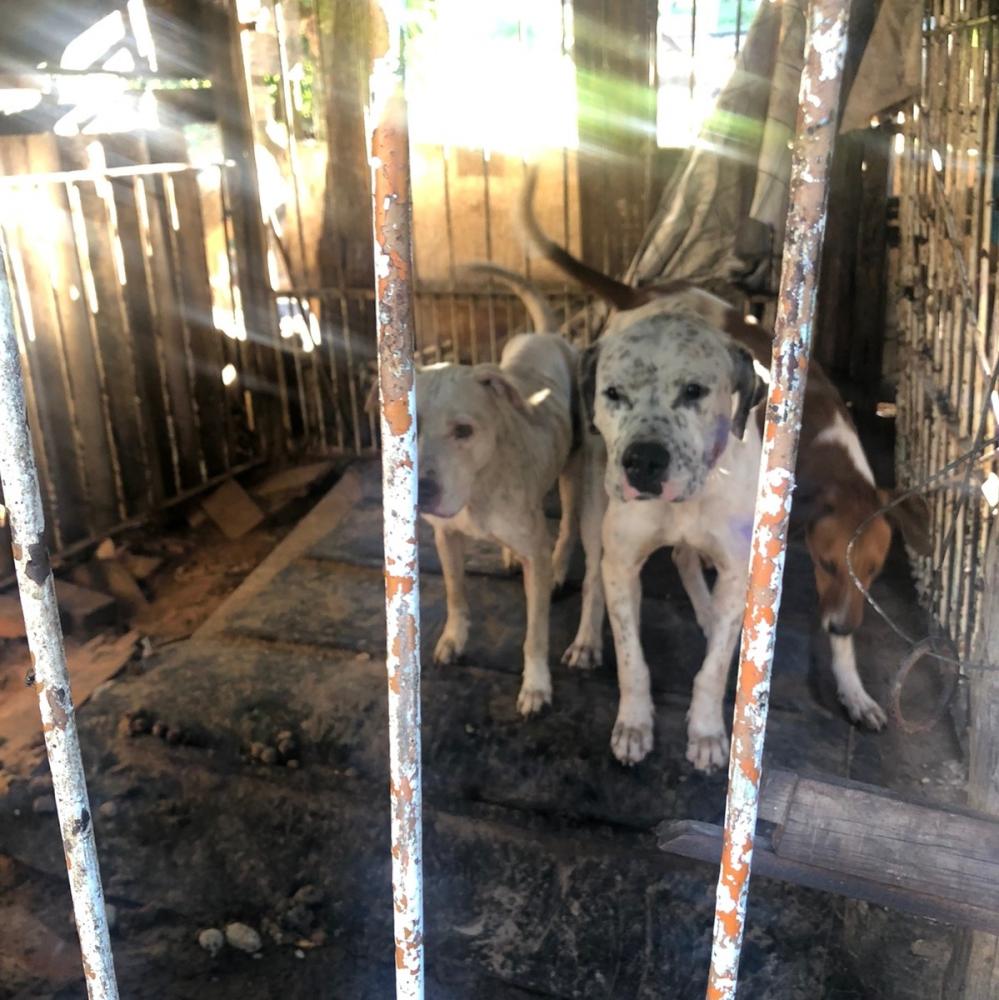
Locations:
620 175
122 360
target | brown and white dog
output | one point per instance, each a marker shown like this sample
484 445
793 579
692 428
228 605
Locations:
836 491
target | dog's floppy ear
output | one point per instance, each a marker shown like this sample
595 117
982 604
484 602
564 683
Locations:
747 385
495 379
912 518
814 501
587 377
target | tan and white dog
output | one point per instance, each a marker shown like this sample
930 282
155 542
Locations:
493 440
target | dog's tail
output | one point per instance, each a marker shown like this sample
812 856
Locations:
617 293
540 312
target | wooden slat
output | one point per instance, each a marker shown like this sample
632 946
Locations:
206 360
174 337
63 487
113 334
85 373
143 315
239 353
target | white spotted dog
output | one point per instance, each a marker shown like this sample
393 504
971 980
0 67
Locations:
670 397
493 440
836 493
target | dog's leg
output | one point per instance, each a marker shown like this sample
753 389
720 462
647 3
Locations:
624 554
451 550
689 566
536 688
587 649
860 706
707 738
569 486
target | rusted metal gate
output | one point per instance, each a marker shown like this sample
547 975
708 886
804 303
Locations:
945 165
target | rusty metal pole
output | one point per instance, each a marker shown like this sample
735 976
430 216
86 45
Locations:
51 677
392 216
818 104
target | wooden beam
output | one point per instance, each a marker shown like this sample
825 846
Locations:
229 88
345 248
867 843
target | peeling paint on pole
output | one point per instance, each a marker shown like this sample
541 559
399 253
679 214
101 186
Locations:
817 116
392 220
51 678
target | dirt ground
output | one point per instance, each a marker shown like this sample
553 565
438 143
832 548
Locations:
237 771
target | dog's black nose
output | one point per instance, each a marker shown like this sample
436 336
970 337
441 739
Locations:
645 464
427 491
836 629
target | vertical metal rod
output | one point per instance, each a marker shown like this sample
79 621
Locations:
41 619
818 102
392 219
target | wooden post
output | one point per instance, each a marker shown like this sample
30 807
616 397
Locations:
981 971
235 120
346 246
346 249
617 116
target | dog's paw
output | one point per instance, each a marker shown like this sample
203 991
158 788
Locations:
632 738
448 650
631 744
707 753
863 709
532 699
583 655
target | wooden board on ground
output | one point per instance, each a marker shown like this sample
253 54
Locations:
90 665
82 609
868 843
232 509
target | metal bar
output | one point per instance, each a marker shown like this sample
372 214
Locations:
33 78
954 26
41 618
80 176
392 220
818 101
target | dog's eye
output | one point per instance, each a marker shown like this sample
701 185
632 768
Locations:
612 394
693 391
462 431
